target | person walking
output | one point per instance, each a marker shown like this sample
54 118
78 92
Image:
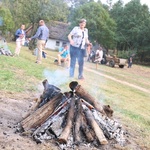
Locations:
78 38
20 39
41 35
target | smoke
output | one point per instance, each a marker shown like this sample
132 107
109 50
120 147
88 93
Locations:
96 88
58 77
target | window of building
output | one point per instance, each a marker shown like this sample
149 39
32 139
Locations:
57 43
64 43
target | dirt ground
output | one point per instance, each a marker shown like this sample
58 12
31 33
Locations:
13 107
12 110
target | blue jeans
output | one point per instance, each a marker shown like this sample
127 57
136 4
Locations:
76 53
43 54
129 64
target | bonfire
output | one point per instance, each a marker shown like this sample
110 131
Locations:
72 119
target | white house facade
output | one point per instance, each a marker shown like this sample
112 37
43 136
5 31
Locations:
58 32
54 44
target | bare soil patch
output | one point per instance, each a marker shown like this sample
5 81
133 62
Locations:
13 107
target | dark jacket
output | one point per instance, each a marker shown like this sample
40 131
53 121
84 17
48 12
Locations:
18 33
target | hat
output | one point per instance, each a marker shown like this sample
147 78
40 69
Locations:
82 20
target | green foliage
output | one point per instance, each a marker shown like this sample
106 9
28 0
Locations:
29 12
101 26
133 27
8 23
125 54
46 10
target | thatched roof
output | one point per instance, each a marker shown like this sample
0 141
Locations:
58 30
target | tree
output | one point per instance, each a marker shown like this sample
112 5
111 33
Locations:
7 20
133 27
30 12
101 26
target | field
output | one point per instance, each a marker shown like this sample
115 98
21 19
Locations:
126 90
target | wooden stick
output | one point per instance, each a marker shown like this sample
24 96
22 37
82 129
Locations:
95 126
40 115
86 130
82 93
77 136
62 139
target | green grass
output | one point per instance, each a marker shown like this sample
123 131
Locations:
132 106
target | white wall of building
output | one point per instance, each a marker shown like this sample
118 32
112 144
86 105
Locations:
54 44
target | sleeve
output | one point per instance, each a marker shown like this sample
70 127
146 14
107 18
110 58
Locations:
86 30
37 34
73 31
17 33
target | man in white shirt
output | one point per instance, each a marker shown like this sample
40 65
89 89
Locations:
99 55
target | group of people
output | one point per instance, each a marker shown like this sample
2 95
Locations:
78 38
41 35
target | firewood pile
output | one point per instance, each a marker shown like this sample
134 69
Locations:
72 119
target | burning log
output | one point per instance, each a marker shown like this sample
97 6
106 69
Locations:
65 133
78 116
87 131
82 93
49 92
40 115
52 128
94 125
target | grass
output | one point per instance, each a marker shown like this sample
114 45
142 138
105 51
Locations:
131 106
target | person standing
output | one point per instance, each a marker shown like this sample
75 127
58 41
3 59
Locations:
99 55
20 39
42 35
130 61
89 49
78 38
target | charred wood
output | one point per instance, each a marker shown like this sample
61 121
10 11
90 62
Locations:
87 131
82 93
110 127
77 122
52 128
49 92
94 125
67 129
40 115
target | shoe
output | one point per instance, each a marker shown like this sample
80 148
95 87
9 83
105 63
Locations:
81 78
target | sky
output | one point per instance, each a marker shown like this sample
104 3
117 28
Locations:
147 2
